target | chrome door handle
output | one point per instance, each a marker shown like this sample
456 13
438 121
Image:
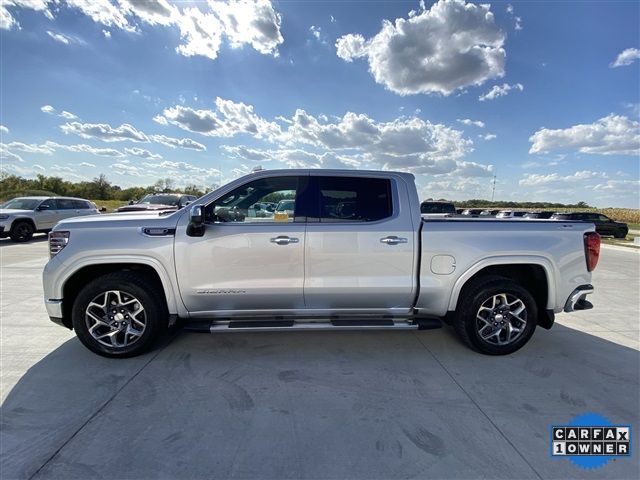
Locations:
284 240
393 240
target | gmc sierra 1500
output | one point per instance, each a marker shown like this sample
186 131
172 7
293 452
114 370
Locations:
351 250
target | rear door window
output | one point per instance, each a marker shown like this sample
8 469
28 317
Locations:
354 199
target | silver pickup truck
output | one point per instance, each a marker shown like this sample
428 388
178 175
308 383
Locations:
351 251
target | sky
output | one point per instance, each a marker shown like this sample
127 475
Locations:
543 96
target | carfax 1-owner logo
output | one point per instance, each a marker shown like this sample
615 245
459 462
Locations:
590 440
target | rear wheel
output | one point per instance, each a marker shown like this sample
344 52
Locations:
22 231
120 314
497 316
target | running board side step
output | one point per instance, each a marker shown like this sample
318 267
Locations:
290 325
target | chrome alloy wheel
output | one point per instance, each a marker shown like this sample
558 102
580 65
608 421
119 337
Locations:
501 319
116 319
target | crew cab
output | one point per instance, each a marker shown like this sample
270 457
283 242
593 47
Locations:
350 252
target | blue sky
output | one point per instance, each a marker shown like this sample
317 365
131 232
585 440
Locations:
545 95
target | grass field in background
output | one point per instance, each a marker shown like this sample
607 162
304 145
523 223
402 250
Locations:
110 205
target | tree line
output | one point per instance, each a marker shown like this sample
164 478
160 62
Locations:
100 188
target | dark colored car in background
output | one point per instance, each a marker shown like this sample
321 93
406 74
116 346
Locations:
541 215
604 225
158 202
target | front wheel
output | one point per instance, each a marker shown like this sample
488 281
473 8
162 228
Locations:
22 231
497 316
120 314
620 234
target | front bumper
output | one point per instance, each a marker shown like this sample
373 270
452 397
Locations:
578 299
54 310
2 232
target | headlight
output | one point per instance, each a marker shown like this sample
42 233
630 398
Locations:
4 217
57 241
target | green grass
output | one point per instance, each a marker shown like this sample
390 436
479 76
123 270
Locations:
110 205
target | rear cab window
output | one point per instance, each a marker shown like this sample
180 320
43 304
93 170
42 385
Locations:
352 199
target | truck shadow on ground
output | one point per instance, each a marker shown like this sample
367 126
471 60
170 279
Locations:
315 405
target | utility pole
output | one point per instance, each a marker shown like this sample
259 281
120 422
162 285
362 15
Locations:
493 190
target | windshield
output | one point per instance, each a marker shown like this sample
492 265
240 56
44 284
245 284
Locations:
285 205
21 204
161 199
437 208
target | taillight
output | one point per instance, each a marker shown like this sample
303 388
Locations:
592 249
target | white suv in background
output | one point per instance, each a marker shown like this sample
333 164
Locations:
510 214
21 217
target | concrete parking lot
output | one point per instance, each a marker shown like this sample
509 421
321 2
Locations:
359 405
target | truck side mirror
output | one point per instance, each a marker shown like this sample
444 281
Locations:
196 221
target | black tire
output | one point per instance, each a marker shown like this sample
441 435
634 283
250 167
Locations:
22 231
482 290
146 293
620 234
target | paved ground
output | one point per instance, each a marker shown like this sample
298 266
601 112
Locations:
376 405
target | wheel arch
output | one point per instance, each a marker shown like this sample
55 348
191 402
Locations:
534 273
80 276
24 219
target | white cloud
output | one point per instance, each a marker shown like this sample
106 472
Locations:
30 148
59 37
4 129
500 91
450 46
535 179
86 164
611 135
252 22
63 114
406 143
83 148
142 153
316 32
38 167
105 132
161 120
202 27
154 12
7 22
7 156
103 12
178 142
489 136
229 119
626 57
469 122
124 167
351 46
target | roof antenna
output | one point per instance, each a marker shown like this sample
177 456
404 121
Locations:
493 190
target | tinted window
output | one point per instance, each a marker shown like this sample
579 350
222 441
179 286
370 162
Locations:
171 200
519 214
81 204
66 204
51 203
350 199
244 203
437 207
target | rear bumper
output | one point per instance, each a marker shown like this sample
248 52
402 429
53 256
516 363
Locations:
578 299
